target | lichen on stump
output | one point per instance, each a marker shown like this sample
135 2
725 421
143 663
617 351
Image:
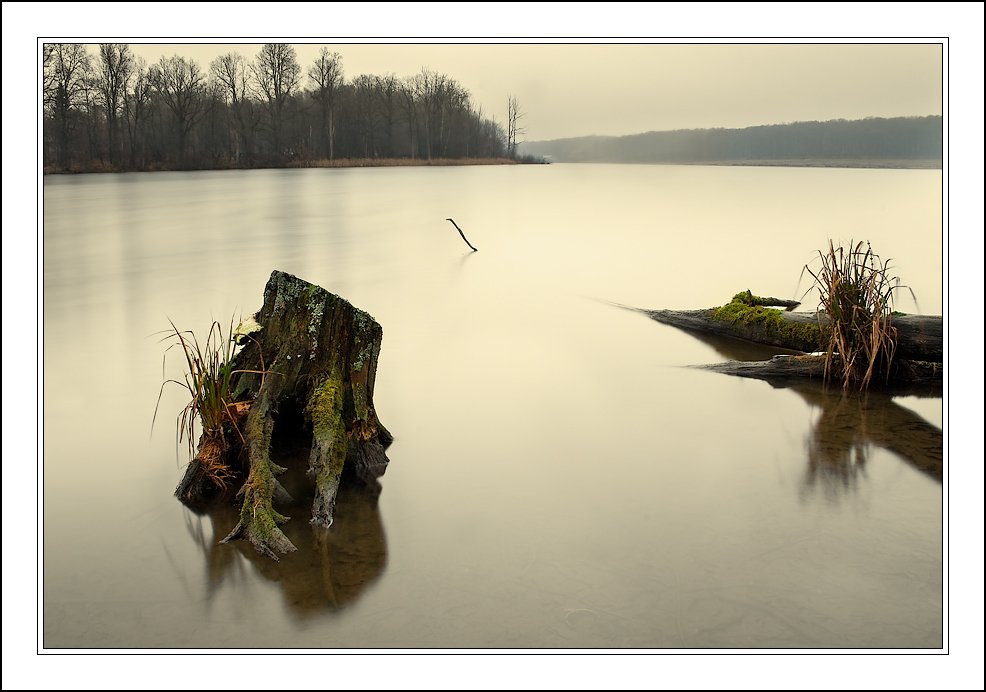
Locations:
315 349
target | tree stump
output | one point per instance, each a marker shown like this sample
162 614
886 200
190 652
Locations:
310 350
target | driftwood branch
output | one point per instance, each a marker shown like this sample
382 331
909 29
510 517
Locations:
462 234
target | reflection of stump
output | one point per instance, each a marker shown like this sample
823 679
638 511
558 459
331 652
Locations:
333 567
316 352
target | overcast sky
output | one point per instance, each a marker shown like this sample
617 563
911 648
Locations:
568 90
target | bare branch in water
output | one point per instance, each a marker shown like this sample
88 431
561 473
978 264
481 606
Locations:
462 234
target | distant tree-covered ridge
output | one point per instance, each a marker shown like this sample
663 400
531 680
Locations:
906 141
106 109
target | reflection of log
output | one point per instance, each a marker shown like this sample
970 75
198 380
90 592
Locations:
919 337
317 353
849 422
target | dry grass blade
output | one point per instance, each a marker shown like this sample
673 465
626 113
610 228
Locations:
208 379
856 293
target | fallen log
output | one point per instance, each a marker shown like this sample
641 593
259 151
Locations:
311 350
919 337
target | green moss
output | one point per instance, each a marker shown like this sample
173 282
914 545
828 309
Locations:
745 298
262 520
744 311
325 409
257 512
325 406
740 312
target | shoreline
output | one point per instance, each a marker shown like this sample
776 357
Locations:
901 164
910 164
315 163
897 164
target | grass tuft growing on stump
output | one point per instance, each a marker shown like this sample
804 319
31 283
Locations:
208 380
856 291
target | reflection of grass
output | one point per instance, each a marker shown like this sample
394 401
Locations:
850 426
856 293
208 379
838 447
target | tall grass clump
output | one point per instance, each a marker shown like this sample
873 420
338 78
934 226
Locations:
208 380
856 292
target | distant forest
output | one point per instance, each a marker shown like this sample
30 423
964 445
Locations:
911 141
105 109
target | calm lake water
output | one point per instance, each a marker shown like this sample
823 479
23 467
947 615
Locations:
558 477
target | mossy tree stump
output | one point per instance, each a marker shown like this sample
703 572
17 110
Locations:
313 351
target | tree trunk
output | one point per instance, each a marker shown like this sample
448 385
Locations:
316 350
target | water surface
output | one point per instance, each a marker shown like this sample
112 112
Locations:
558 479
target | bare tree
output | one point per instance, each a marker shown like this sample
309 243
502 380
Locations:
454 110
325 76
409 106
484 137
513 125
111 104
276 74
230 73
181 87
136 109
48 54
387 92
364 108
66 70
116 62
93 113
430 91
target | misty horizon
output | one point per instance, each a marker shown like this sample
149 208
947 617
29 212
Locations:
744 127
636 88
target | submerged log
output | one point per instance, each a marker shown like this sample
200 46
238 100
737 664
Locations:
909 376
312 350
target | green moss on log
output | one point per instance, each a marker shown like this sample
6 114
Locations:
747 311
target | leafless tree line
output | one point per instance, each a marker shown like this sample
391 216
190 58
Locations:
110 110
